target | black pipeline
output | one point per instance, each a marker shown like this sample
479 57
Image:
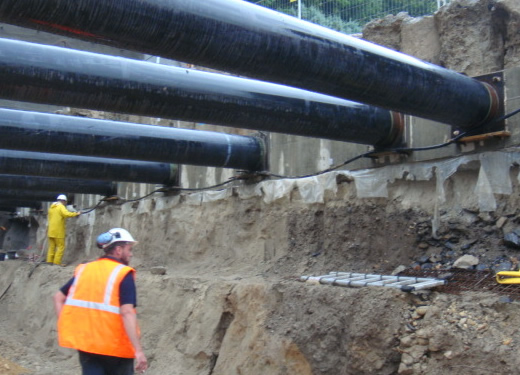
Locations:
32 195
45 132
9 203
8 208
81 167
249 40
67 185
60 76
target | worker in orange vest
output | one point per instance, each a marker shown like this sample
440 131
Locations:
57 216
96 310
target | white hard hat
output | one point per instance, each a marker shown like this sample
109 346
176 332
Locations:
62 197
114 235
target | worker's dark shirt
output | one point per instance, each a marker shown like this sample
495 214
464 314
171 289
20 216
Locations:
127 290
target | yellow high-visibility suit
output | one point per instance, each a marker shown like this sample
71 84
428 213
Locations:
57 216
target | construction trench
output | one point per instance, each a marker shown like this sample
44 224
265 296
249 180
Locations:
236 188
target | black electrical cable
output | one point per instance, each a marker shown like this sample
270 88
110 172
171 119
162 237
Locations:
163 190
402 149
460 136
366 154
200 189
143 197
363 155
177 188
91 209
5 291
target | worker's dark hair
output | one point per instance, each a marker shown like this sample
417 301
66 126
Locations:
110 249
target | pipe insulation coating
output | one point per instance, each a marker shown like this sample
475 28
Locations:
68 185
45 132
9 203
36 195
246 39
82 167
8 208
60 76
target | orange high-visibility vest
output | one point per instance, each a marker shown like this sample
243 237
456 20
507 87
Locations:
90 320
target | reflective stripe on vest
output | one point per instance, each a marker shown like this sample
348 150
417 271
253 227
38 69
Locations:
105 306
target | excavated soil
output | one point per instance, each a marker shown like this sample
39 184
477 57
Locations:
230 301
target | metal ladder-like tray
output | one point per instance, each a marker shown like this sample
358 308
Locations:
405 283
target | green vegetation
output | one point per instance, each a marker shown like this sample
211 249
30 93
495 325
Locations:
349 16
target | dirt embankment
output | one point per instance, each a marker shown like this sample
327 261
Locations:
230 301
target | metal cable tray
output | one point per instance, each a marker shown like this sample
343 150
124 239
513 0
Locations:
405 283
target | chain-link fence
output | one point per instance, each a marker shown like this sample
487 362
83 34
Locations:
349 16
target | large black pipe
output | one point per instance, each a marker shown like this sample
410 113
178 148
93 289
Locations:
81 167
45 132
20 203
32 195
60 76
65 185
8 208
246 39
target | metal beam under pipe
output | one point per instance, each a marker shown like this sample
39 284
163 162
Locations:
65 185
246 39
82 167
60 76
45 132
32 195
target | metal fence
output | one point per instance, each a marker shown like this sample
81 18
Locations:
349 16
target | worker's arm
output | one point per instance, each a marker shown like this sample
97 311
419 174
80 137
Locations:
66 213
130 322
59 301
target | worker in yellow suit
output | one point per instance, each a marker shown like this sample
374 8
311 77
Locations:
57 216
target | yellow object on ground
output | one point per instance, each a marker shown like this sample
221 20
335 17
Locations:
508 277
